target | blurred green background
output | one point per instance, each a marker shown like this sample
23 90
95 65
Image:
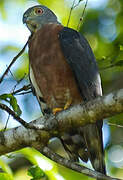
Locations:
103 27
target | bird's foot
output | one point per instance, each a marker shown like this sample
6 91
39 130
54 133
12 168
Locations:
56 110
68 103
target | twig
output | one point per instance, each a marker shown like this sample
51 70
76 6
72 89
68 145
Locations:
18 82
116 125
16 117
71 9
7 122
11 73
81 18
74 166
20 94
70 12
12 62
24 123
12 94
24 88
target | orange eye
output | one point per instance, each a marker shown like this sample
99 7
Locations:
38 11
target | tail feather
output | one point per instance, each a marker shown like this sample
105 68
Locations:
86 143
93 139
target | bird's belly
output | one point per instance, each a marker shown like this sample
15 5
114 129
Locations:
57 89
60 97
54 88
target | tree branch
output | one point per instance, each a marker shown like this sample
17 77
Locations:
49 126
76 116
24 88
92 111
75 166
15 116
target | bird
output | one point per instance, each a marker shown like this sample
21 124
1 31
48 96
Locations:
63 72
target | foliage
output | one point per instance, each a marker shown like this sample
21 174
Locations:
52 170
5 176
36 173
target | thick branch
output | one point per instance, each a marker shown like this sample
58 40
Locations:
47 127
92 111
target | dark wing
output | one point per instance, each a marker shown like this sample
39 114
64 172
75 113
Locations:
82 61
80 57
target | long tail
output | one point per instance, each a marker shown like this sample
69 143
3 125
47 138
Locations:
94 143
86 143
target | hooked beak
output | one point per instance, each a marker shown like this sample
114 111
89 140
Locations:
27 20
24 19
30 23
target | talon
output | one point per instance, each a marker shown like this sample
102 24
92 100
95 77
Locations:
68 103
55 110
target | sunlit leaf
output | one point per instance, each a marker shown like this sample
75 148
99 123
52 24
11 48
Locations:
121 47
5 97
5 176
5 167
53 170
36 172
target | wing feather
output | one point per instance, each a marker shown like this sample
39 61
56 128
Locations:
82 61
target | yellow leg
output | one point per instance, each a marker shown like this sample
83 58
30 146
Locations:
68 103
55 110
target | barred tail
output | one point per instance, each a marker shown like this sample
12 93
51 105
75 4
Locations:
94 143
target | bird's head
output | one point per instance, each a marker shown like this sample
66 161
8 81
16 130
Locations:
37 16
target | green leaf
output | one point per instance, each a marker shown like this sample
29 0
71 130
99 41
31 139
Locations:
15 106
12 101
52 170
5 176
36 172
5 97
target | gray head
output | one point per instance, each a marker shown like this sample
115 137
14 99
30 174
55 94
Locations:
37 16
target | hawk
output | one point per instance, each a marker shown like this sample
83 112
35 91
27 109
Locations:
63 72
